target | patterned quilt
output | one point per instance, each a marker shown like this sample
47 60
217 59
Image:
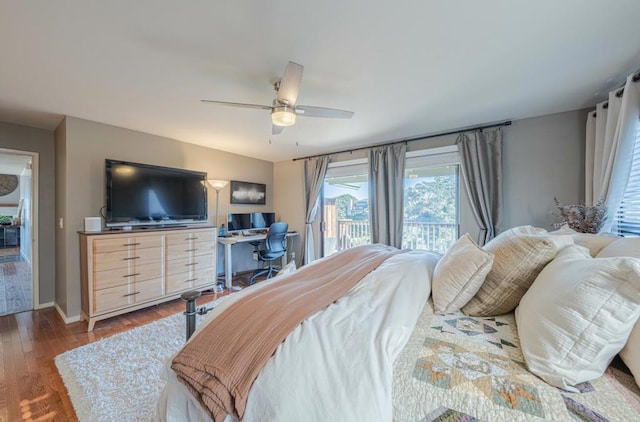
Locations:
459 368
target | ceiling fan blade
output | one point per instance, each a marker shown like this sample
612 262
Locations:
276 130
311 111
290 84
262 107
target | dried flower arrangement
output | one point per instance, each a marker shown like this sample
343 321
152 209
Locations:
582 218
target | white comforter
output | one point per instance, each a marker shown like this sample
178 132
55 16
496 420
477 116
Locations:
337 365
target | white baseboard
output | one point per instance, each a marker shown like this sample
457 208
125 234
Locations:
64 317
44 305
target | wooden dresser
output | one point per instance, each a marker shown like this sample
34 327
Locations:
128 270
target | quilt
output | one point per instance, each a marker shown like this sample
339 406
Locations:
457 368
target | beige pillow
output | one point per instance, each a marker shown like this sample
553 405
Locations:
623 246
577 315
459 274
520 254
593 242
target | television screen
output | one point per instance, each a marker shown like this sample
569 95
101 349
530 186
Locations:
236 222
146 194
262 220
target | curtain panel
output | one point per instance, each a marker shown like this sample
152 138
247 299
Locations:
481 164
610 139
386 199
315 170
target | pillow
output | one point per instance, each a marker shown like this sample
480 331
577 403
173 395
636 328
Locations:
459 274
631 352
593 242
623 246
628 246
288 269
578 315
520 254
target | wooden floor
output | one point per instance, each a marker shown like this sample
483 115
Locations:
30 387
16 283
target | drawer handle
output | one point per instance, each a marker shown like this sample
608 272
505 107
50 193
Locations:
134 257
190 250
190 280
189 265
131 275
192 238
131 294
131 244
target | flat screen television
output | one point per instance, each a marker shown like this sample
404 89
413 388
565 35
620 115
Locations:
143 194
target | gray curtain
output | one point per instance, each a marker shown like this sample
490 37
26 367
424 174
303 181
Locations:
481 163
314 171
386 179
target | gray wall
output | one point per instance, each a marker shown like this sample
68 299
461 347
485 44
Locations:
86 144
29 139
543 158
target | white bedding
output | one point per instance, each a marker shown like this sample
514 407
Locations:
337 365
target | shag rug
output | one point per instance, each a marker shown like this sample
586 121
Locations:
118 378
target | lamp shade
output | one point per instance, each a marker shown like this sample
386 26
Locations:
283 116
217 184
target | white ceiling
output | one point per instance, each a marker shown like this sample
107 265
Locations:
405 68
13 164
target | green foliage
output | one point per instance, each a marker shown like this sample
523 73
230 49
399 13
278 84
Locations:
343 204
431 201
5 219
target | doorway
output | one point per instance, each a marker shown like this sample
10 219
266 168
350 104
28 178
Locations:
17 287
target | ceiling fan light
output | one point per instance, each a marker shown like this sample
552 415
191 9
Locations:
283 116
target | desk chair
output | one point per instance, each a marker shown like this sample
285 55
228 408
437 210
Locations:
275 246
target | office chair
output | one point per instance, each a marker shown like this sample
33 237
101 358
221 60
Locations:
275 246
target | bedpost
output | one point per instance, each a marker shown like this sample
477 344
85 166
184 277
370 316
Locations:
190 298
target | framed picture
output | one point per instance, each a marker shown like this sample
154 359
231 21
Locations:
248 193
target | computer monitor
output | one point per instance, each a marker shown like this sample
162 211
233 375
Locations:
238 222
262 220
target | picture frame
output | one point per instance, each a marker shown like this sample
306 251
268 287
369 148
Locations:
248 193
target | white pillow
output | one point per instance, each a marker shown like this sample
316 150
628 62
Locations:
628 246
520 254
578 315
459 275
624 246
631 353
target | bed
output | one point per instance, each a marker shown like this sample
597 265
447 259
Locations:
379 353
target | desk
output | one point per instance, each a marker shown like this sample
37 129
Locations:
232 240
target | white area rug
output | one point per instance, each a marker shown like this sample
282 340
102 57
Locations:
118 378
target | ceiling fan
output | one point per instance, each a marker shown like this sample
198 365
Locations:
284 109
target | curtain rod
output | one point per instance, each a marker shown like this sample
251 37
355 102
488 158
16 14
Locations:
418 138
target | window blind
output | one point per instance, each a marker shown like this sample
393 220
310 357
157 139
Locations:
627 218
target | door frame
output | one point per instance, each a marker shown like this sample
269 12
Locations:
35 276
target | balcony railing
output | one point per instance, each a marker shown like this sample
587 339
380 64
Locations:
436 237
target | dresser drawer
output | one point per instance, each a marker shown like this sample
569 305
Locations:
204 276
203 248
112 278
126 243
206 235
178 266
119 276
113 298
123 259
148 290
179 282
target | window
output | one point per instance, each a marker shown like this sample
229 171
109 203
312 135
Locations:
627 219
431 192
345 210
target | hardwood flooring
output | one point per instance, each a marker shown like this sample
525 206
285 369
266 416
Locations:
31 389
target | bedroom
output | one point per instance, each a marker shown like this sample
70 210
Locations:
77 104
